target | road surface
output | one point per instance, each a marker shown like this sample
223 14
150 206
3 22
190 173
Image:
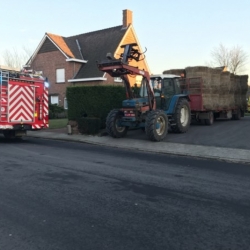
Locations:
62 195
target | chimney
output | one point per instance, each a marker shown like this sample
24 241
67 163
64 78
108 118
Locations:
127 18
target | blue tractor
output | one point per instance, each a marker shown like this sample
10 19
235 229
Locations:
157 106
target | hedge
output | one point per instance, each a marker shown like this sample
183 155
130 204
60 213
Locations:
56 112
93 101
89 125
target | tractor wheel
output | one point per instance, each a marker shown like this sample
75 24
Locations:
210 120
182 117
112 124
156 125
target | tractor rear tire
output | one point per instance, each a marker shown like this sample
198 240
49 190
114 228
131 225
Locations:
112 125
156 125
182 117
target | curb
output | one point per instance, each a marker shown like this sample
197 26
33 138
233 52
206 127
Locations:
176 149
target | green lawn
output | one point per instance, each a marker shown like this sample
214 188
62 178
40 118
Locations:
58 123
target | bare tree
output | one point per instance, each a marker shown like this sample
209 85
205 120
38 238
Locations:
16 59
233 58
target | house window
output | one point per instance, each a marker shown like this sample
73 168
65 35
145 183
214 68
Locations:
54 99
117 79
60 75
65 103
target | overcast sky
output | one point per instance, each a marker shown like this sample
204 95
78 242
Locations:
176 33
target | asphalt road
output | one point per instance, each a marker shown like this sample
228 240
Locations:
223 133
72 196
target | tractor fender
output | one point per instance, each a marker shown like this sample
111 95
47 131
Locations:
174 101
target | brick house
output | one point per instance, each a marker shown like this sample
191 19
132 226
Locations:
71 61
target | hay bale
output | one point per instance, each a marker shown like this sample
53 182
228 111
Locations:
215 80
195 86
225 83
233 87
225 99
200 71
244 84
178 72
207 101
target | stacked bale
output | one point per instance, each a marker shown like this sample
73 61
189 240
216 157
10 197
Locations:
220 90
237 90
178 72
205 73
244 89
226 98
217 96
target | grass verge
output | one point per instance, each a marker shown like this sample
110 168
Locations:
58 123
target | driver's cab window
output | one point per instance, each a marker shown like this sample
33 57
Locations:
157 85
168 86
143 88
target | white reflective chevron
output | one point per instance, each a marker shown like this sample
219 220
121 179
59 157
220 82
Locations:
21 103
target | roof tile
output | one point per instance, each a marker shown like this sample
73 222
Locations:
59 41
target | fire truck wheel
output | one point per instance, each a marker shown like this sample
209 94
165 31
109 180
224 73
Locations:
182 117
9 134
156 125
112 124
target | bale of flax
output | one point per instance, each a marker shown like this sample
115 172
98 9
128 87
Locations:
178 72
215 87
205 74
226 99
237 92
244 89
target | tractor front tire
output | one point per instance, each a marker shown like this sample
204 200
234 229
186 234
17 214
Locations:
112 124
156 125
182 117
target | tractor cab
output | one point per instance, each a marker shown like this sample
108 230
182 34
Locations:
165 86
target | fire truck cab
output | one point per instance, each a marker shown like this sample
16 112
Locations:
23 102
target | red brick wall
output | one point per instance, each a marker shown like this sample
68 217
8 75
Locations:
50 61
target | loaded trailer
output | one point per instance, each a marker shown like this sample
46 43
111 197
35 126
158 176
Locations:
213 93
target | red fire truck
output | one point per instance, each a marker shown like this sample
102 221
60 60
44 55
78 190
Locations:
23 102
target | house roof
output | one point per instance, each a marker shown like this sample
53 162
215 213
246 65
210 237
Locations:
60 42
94 47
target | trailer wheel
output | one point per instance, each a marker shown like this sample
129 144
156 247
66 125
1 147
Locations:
156 125
112 124
210 120
182 117
237 116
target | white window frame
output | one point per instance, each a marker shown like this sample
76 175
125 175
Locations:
60 75
117 79
65 103
53 101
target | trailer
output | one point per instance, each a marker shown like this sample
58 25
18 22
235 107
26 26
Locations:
206 107
213 92
23 103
